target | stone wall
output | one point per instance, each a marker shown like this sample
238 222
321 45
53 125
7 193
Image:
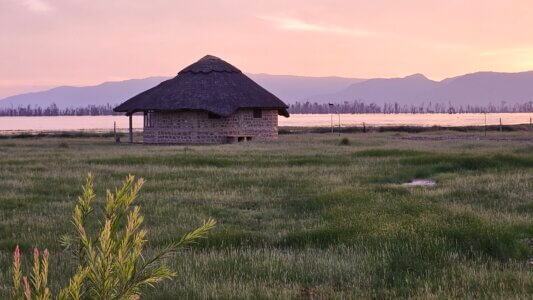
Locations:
195 127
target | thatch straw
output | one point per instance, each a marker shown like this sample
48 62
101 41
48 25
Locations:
210 84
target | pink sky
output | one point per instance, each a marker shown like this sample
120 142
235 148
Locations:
46 43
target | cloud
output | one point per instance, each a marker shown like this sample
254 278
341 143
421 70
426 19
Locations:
38 6
292 24
509 51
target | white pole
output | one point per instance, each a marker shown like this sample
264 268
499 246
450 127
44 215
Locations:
339 122
331 115
485 124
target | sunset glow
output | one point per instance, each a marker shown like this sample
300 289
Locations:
45 43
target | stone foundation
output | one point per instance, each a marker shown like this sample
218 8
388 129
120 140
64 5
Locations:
195 127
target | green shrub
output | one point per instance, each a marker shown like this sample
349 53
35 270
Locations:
111 263
344 142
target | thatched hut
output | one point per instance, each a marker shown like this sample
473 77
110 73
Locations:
208 102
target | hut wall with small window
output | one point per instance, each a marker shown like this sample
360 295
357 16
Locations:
200 127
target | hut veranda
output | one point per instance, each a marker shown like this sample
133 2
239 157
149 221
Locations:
208 102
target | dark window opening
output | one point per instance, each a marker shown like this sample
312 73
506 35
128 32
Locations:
258 113
213 116
148 119
240 139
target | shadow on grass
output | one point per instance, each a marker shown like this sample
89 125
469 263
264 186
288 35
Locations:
234 238
388 153
221 161
428 165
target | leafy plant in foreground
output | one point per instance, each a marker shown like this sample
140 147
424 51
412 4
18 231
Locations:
111 264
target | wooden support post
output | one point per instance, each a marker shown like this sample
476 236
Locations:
115 131
364 127
500 124
131 128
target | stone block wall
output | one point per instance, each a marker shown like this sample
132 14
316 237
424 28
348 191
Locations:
195 127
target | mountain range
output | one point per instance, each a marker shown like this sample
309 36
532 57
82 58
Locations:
479 88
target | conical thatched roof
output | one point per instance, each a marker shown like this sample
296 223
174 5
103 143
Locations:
209 84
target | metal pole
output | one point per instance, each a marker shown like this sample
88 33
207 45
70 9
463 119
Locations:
331 114
485 124
339 124
115 130
131 128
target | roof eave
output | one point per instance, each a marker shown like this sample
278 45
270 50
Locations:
283 112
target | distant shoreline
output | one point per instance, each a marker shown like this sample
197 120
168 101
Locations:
284 130
304 122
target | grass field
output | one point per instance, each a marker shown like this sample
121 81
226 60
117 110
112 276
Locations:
304 216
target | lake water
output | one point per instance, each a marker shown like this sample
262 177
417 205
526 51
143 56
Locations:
105 123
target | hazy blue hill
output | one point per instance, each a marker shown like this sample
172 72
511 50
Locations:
288 88
296 88
68 96
484 87
479 88
382 90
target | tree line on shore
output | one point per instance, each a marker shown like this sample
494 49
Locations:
54 110
355 107
360 107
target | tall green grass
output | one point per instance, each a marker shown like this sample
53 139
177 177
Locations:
303 216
